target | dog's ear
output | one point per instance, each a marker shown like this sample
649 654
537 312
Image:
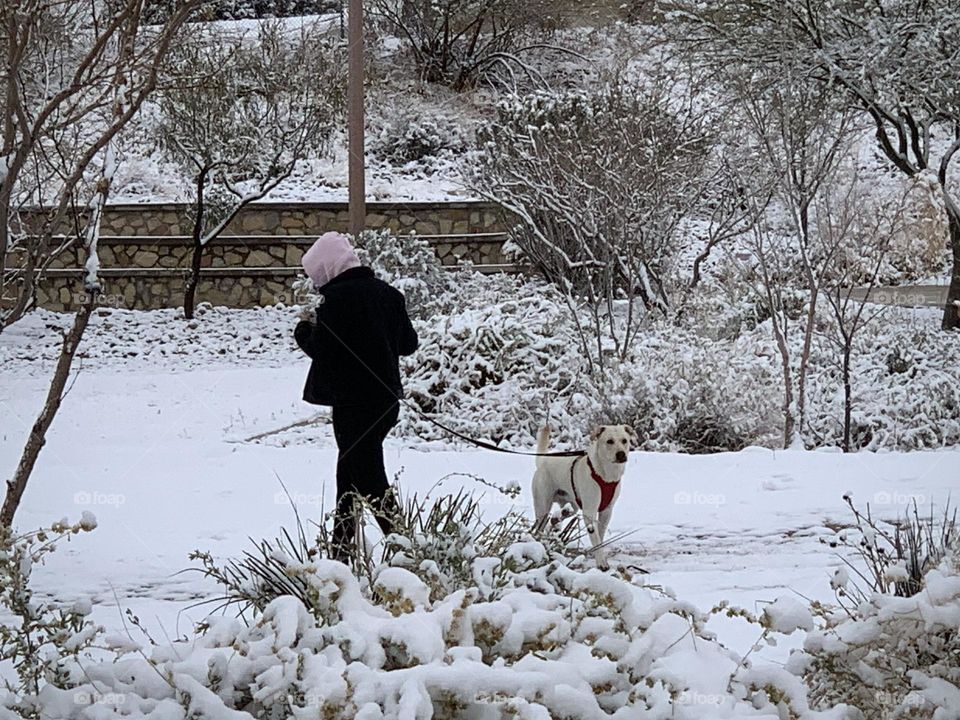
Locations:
634 438
596 432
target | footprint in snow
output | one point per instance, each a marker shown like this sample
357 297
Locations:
776 482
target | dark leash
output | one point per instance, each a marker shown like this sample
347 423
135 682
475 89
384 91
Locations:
450 431
483 443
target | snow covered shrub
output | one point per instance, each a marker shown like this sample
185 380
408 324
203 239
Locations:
607 232
906 387
409 136
892 648
556 641
46 634
889 656
894 555
460 42
916 251
436 539
683 392
707 428
439 541
497 357
158 10
407 262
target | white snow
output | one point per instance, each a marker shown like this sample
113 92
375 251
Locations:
151 439
786 615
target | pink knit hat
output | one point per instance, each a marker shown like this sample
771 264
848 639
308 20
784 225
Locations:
329 256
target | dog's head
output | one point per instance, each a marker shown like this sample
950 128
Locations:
612 443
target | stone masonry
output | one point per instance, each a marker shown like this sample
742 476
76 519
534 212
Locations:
145 250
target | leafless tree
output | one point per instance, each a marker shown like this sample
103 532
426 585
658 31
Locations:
896 61
457 42
58 112
857 232
67 68
599 182
238 114
801 135
730 208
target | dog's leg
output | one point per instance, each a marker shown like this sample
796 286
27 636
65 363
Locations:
593 530
542 499
604 521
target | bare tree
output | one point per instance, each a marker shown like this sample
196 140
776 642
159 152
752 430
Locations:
100 89
238 114
59 75
856 232
459 41
730 208
600 182
894 60
801 135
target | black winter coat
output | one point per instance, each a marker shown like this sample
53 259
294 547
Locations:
362 330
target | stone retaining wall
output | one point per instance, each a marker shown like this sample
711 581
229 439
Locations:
425 218
145 251
62 290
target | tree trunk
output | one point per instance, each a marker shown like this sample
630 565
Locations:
190 289
38 434
951 311
847 399
788 419
805 357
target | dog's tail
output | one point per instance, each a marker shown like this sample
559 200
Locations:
543 442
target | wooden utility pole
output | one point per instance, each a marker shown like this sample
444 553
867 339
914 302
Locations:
358 203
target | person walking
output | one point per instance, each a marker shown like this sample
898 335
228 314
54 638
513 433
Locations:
355 338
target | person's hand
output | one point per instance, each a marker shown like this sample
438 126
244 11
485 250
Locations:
308 314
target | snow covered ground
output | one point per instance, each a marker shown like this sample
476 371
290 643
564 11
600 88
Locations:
156 444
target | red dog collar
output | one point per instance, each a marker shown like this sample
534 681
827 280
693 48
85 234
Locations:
607 489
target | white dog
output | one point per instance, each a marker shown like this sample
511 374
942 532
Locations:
590 481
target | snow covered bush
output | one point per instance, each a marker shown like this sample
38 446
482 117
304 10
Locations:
916 252
556 641
461 42
891 656
906 388
684 392
409 136
498 356
892 557
436 539
608 231
157 10
891 648
46 634
407 262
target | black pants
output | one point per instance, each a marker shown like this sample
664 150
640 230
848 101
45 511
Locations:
360 431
